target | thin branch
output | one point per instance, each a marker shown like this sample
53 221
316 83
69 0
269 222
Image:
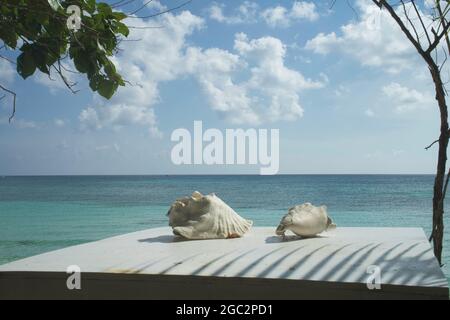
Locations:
333 3
162 12
421 22
438 38
64 79
384 3
434 142
140 8
410 22
145 27
443 22
7 59
121 3
431 145
445 60
14 101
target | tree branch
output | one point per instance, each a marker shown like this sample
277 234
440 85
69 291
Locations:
421 22
14 101
410 22
384 3
162 12
438 38
434 142
443 22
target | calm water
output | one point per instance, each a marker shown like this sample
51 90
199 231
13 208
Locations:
39 214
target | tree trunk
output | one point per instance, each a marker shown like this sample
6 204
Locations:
437 233
440 183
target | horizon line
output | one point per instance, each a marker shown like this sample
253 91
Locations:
215 174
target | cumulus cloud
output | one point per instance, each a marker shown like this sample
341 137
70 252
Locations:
118 116
248 85
280 16
279 85
157 57
374 40
405 99
214 70
277 16
271 91
247 12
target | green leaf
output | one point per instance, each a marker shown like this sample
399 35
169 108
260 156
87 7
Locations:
40 59
122 29
9 36
81 62
119 15
54 4
107 88
90 6
25 64
104 9
42 24
110 69
93 83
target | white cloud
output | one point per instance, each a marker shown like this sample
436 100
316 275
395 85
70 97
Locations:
369 113
19 123
157 57
214 69
405 99
157 5
271 93
431 4
278 85
245 13
280 16
24 124
304 10
374 40
118 116
276 16
59 123
6 71
341 90
55 83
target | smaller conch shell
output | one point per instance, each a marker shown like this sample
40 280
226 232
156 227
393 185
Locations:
206 217
306 220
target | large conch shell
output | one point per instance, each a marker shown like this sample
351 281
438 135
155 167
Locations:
206 217
306 220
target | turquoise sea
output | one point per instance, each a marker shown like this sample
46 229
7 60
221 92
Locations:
39 214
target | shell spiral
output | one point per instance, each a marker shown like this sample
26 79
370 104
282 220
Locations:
306 220
206 217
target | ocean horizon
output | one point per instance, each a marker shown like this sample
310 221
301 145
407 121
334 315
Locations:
44 213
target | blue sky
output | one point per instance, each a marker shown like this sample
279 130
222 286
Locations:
346 91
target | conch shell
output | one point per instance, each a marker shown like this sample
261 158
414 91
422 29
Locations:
206 217
306 220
